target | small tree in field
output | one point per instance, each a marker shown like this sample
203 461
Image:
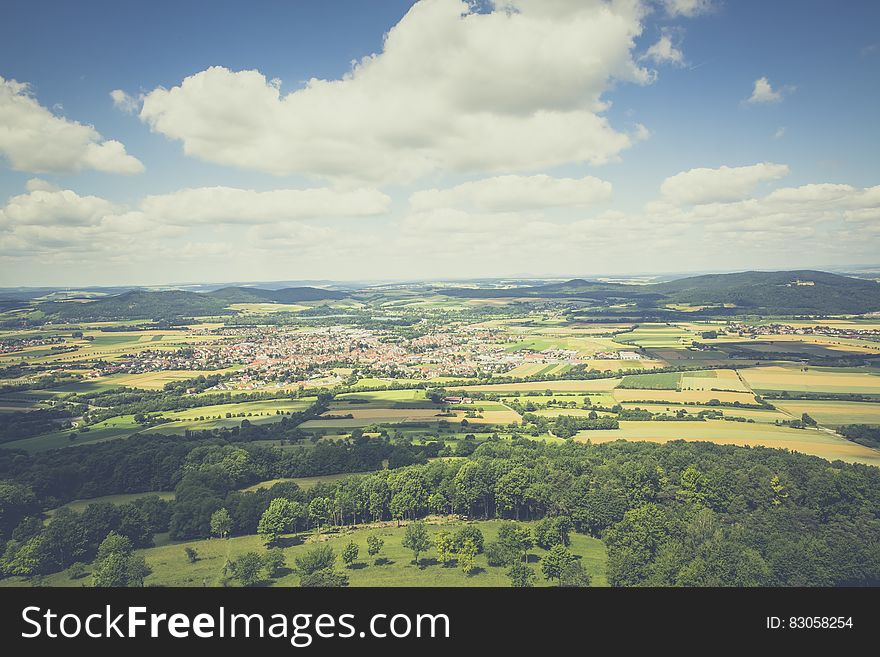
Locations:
374 545
416 539
521 576
350 554
246 568
274 562
191 554
221 523
467 556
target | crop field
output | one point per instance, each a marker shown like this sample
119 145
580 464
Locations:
210 417
612 365
170 566
362 417
585 346
661 381
532 369
758 415
800 379
833 413
808 441
657 335
682 396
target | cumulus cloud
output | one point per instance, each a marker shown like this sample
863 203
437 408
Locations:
665 51
764 93
688 8
33 139
54 208
453 90
122 101
511 193
232 205
702 185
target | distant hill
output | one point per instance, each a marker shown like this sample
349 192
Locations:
785 292
801 291
285 295
137 304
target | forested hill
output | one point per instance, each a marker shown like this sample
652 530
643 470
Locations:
802 291
138 304
286 295
176 304
791 292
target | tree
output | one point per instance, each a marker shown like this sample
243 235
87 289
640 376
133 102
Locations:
318 558
374 545
472 533
573 574
467 556
246 568
350 554
444 545
191 554
416 539
515 541
552 531
274 562
221 523
521 576
326 578
276 520
555 562
117 565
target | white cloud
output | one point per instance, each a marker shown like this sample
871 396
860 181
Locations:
34 139
763 93
511 193
703 185
231 205
665 51
122 101
688 8
453 90
40 185
780 133
54 208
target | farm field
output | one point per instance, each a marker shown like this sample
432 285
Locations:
362 417
661 381
170 567
682 396
808 441
795 379
758 415
833 413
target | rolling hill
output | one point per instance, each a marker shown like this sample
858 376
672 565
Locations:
787 292
285 295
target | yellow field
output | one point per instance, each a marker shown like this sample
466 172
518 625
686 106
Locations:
833 413
606 365
813 380
683 396
366 416
155 380
808 441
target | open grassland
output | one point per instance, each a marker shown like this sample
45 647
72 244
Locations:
80 505
583 345
170 566
833 413
121 426
682 396
799 379
303 482
808 441
571 385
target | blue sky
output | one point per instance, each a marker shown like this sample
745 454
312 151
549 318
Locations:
559 138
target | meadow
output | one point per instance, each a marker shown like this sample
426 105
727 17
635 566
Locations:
807 379
171 567
833 413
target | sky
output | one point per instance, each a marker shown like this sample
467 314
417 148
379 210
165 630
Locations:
168 143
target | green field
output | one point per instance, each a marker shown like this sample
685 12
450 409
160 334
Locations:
171 568
80 505
303 482
660 381
121 426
